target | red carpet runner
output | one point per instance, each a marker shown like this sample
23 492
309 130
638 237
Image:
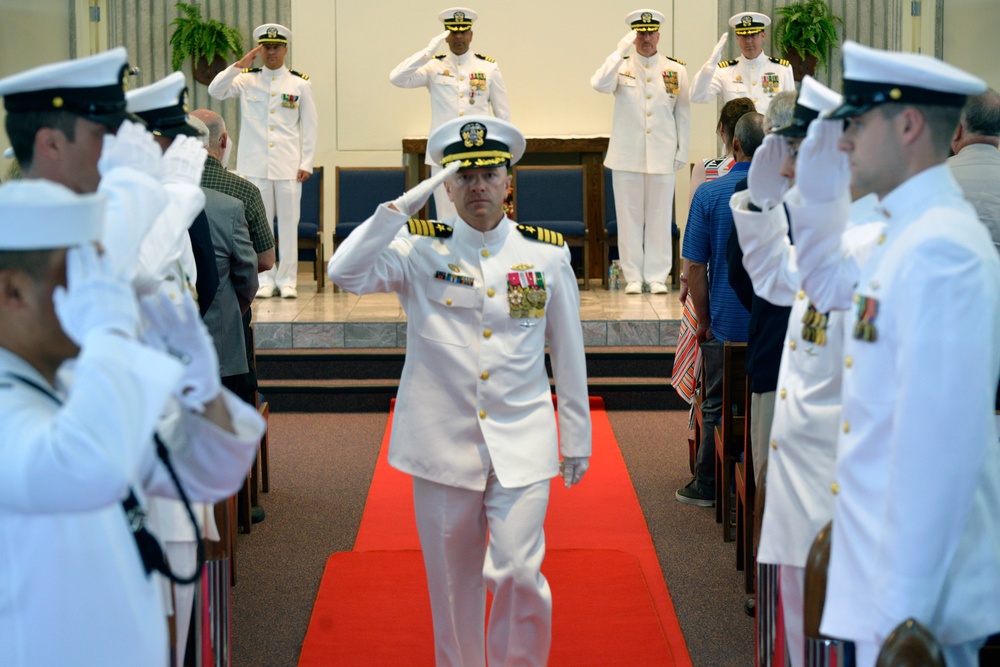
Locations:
610 603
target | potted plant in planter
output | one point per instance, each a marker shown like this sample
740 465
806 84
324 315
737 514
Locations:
207 43
805 33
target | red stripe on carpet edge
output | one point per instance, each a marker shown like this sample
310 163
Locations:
601 513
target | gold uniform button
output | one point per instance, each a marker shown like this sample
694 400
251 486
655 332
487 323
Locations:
271 128
487 333
791 344
648 79
647 131
447 302
461 95
484 252
461 113
801 295
461 78
649 113
755 83
271 144
274 78
774 444
847 427
482 414
272 110
848 362
881 239
485 375
784 393
649 97
490 292
835 488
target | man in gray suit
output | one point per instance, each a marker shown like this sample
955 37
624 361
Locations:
976 160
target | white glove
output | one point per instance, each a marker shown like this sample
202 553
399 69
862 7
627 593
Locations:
767 185
822 172
184 161
95 299
178 330
716 57
572 469
626 43
435 43
414 199
133 146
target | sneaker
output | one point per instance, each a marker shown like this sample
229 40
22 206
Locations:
267 291
633 287
750 607
693 495
658 288
289 292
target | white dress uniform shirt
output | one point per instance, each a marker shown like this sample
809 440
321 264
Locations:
917 487
278 120
651 130
73 590
759 79
474 391
450 80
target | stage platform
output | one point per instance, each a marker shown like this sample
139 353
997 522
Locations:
329 319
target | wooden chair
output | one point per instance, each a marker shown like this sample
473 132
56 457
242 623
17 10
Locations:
311 226
910 644
729 432
745 492
553 197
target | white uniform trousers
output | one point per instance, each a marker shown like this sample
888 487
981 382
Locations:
761 416
182 557
444 207
454 525
792 588
643 205
285 197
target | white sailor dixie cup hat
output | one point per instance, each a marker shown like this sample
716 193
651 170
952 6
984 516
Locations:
645 20
814 98
37 214
458 19
272 33
873 77
483 142
162 106
749 23
89 87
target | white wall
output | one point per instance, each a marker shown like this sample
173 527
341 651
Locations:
970 37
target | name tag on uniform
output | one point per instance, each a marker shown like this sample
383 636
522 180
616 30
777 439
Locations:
290 101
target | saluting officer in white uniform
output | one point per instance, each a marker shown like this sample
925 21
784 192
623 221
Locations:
649 142
277 142
803 434
482 295
753 74
461 83
917 486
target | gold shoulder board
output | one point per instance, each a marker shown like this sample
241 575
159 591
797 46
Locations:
679 62
486 58
728 63
428 228
779 61
304 76
541 234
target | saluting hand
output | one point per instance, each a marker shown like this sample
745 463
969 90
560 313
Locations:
247 60
822 171
767 185
626 42
717 51
435 43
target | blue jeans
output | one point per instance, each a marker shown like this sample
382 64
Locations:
711 413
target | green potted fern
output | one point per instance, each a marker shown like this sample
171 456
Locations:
805 33
207 43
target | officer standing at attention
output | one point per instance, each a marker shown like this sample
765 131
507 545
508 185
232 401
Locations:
460 83
482 294
277 142
917 479
753 74
649 142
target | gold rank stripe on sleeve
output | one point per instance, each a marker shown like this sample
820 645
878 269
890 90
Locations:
779 61
305 77
541 234
679 62
728 63
428 228
486 58
251 70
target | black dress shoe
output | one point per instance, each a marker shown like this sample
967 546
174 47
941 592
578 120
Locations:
750 607
256 514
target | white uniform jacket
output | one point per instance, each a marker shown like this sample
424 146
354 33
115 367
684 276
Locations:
465 85
278 123
759 79
800 466
474 390
73 590
917 488
652 123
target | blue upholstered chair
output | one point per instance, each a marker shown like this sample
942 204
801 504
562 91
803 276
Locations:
359 191
552 197
311 226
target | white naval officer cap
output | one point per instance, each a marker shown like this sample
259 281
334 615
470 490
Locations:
814 98
37 214
90 87
485 142
162 106
272 33
749 23
458 19
873 77
645 20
